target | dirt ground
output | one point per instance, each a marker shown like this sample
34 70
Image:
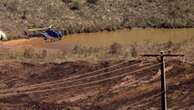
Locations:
105 85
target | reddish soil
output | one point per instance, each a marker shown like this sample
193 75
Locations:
132 85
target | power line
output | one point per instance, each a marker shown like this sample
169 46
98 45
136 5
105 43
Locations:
42 84
65 79
70 81
78 85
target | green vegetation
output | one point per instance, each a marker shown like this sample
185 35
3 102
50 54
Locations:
92 1
66 108
75 5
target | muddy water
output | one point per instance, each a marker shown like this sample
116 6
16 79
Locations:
107 38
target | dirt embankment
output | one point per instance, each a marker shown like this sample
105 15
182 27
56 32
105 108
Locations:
128 85
74 16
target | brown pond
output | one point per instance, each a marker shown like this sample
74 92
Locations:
107 38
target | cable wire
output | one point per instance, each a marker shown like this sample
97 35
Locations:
78 85
62 80
70 81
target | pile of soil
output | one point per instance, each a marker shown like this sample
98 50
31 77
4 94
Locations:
84 85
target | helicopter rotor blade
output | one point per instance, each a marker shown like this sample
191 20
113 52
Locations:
40 29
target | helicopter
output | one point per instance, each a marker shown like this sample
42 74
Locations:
48 33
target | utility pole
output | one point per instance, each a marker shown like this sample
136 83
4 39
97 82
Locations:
163 75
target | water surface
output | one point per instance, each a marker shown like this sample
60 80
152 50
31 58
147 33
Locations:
105 39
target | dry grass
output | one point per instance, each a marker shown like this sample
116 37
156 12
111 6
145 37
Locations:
75 16
114 51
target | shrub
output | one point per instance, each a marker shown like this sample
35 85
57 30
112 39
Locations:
150 1
75 5
44 53
134 51
154 21
76 49
92 1
66 1
28 52
115 48
168 45
66 108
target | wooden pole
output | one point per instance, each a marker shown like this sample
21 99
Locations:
163 75
163 83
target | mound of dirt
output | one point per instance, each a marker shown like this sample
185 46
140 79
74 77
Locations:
108 85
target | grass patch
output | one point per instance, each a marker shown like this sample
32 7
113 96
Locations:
114 51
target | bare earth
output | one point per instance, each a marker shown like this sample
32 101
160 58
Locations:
128 85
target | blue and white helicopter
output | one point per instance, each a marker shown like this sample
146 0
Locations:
48 33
